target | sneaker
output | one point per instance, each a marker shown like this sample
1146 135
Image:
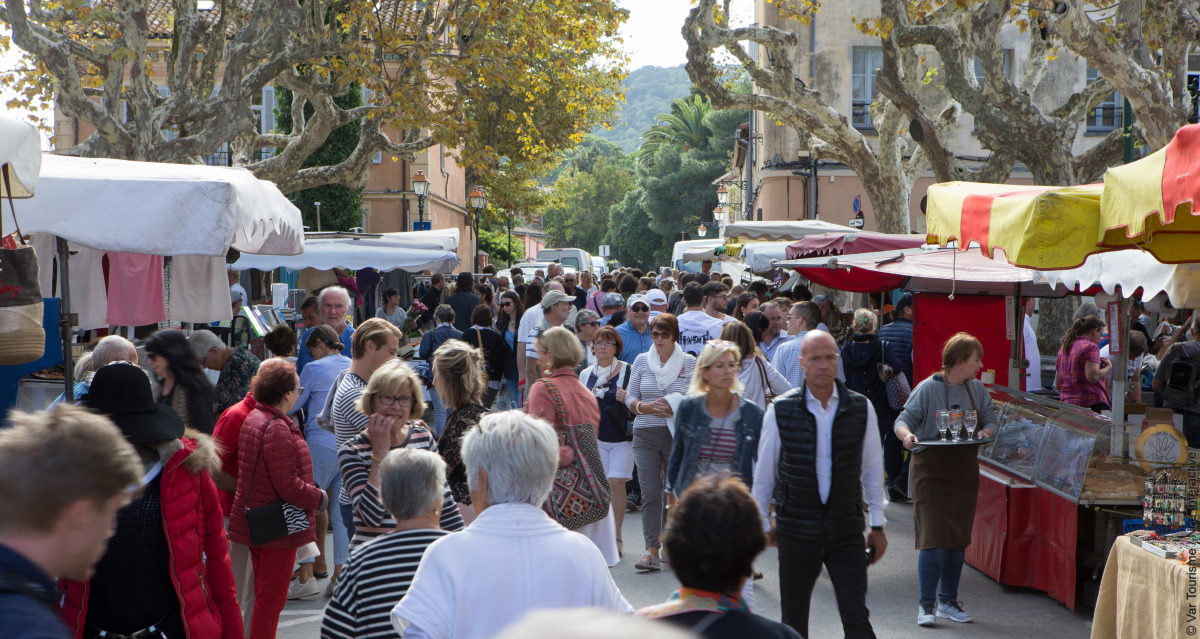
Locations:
953 611
330 587
925 616
303 590
896 495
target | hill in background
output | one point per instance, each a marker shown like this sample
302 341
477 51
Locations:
648 93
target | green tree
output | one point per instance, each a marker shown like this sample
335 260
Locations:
629 234
495 244
341 208
580 216
684 127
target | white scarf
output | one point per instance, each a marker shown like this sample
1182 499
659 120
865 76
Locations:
665 373
604 372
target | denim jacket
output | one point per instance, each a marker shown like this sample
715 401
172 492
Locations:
692 432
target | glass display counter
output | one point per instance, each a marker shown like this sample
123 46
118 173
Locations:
1061 448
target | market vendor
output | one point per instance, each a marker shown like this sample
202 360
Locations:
237 366
334 306
944 480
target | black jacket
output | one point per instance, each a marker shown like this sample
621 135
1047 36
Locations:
463 304
431 299
494 350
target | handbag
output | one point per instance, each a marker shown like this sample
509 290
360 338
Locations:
766 382
894 382
275 520
22 338
580 494
619 413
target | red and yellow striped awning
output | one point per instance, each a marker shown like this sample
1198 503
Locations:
1038 227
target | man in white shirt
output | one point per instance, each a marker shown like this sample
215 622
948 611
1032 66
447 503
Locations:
1034 381
774 335
819 503
695 326
556 309
716 300
802 318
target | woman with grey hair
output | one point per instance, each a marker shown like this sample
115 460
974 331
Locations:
381 570
586 323
511 459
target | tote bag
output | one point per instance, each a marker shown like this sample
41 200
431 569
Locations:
580 494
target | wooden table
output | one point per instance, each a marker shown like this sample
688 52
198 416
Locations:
1144 595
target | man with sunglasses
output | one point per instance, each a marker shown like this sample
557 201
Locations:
570 281
557 307
716 300
635 332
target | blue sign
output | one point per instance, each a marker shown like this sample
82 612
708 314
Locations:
857 203
422 226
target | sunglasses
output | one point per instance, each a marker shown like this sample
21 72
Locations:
388 400
505 304
592 323
660 335
639 308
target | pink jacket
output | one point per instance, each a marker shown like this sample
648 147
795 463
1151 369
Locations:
580 403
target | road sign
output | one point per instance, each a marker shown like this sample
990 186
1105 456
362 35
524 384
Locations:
603 250
857 221
422 226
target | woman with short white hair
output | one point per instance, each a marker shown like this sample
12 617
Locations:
511 459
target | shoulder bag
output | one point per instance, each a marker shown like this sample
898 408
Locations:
895 382
619 413
580 494
275 520
766 381
22 338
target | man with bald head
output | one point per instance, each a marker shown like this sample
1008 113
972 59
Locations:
819 455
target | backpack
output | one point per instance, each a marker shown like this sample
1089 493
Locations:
1181 382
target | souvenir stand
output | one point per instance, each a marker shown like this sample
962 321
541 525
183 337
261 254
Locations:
1035 525
156 209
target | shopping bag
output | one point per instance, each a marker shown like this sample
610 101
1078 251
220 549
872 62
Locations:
22 338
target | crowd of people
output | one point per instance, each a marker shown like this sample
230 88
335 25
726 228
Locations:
732 417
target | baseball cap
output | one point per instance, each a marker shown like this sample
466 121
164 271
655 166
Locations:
554 297
612 300
638 299
656 296
904 302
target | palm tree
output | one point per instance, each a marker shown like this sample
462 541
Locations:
683 127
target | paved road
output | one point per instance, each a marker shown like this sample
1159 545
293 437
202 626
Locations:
999 611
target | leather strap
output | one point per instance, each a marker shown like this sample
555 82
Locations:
8 192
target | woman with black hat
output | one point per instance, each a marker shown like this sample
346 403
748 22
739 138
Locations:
167 565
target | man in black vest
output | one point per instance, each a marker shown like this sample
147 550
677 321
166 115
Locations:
819 454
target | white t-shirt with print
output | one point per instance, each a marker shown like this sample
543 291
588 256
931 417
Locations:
695 329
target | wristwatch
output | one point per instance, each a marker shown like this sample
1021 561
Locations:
876 528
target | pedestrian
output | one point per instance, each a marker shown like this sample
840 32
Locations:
802 318
746 303
596 299
112 348
181 382
64 475
1187 351
390 310
280 342
898 335
556 308
569 286
167 565
635 333
944 480
335 308
316 383
481 335
1079 367
463 301
660 377
458 376
773 335
433 296
819 458
612 310
1033 355
507 324
657 300
511 461
430 342
716 301
586 324
381 570
236 365
760 383
274 465
392 401
714 535
563 401
862 356
608 379
487 296
696 327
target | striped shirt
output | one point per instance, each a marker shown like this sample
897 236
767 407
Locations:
371 519
722 438
376 577
347 420
644 387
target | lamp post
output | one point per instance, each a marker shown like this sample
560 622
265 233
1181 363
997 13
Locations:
508 220
477 200
722 195
702 231
318 207
420 185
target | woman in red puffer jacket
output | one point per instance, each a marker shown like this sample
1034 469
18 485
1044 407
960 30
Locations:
273 464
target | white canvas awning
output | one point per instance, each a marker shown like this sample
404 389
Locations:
387 252
21 151
780 231
159 209
1132 270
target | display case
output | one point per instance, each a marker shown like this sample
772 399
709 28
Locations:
1061 448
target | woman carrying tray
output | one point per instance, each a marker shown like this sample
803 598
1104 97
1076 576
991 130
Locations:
944 480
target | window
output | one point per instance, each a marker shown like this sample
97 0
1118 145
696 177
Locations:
863 92
377 158
1107 115
263 106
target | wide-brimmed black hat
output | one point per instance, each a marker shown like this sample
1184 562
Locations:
122 392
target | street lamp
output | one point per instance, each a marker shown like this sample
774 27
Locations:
478 200
703 230
722 195
420 185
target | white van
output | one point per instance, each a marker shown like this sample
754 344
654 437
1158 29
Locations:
599 266
574 257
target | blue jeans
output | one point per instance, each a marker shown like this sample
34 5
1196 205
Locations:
939 569
512 384
439 413
329 477
348 520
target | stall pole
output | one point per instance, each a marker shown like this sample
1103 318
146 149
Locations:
1018 347
64 317
1120 372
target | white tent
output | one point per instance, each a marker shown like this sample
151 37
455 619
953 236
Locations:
785 230
385 252
434 240
21 152
159 209
1131 270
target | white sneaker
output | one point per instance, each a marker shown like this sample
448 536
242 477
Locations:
303 590
953 611
925 616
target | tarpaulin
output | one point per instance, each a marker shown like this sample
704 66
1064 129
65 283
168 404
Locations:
937 318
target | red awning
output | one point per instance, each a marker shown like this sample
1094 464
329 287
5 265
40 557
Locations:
851 243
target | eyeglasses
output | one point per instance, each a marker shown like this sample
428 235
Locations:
660 335
639 308
388 400
591 323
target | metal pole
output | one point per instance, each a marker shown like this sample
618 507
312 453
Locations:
510 255
64 314
476 260
1018 348
318 205
421 212
1120 373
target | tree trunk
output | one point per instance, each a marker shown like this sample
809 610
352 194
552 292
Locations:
1054 318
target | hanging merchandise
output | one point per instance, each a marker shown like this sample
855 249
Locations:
22 339
135 289
193 296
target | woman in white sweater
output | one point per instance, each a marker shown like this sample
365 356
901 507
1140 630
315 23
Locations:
660 376
759 378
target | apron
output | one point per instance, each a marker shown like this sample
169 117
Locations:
944 484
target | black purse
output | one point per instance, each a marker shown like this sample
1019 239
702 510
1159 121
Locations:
275 520
619 413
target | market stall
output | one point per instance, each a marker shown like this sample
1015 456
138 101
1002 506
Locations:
137 211
788 230
383 252
851 244
1125 607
